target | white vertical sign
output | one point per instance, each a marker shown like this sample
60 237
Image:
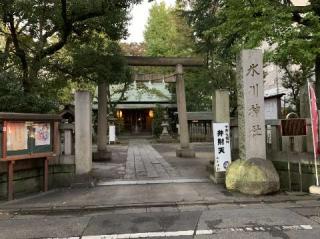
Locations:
221 141
112 133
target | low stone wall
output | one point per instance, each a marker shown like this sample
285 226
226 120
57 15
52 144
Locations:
307 172
30 179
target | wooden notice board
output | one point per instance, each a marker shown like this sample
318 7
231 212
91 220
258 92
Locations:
27 136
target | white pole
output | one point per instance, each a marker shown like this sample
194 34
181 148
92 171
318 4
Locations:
314 145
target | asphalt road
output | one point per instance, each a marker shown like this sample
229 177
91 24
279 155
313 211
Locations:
283 220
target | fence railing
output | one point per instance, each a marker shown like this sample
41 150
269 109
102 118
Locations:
201 131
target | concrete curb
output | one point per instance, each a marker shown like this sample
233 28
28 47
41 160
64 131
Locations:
110 207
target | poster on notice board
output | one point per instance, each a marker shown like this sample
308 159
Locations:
17 136
42 134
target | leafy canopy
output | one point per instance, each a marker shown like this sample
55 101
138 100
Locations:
45 42
168 34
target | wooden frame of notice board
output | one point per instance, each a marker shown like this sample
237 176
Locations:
27 136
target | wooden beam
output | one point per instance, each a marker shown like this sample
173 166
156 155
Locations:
164 61
27 116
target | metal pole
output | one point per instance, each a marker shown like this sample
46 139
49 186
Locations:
289 176
300 175
314 146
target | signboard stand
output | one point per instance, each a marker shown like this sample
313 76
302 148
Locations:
112 134
221 141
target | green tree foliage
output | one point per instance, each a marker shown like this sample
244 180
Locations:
294 80
157 121
225 27
92 60
168 34
46 41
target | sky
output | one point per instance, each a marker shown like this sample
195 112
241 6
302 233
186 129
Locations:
140 14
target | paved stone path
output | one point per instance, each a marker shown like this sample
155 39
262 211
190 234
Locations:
144 162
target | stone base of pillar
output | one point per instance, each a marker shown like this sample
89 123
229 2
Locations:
216 177
102 156
185 153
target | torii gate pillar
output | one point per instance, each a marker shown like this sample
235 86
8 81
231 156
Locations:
184 151
102 154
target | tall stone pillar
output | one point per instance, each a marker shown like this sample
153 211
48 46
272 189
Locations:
252 173
103 154
184 150
251 120
221 114
83 132
221 106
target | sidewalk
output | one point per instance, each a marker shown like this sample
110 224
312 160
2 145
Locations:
160 180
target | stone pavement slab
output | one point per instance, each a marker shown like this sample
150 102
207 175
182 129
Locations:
143 161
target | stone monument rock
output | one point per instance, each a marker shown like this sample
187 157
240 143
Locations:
257 175
253 176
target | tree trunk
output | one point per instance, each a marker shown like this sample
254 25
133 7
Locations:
26 83
102 116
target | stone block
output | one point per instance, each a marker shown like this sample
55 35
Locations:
254 176
185 153
221 106
216 177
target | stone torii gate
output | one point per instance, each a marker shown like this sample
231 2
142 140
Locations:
177 62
